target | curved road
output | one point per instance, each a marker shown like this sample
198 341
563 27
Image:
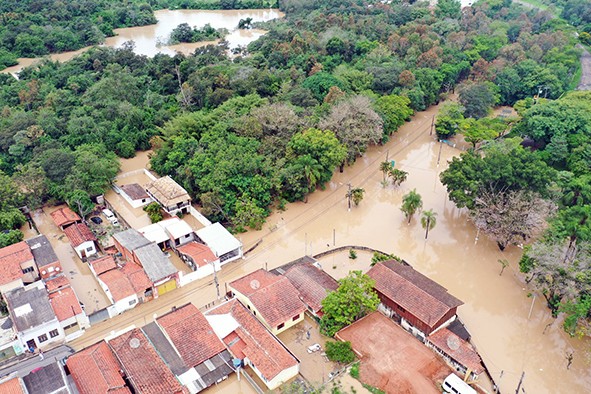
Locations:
585 83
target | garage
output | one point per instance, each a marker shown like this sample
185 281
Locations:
166 287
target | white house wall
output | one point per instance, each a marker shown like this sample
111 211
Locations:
124 304
83 247
35 332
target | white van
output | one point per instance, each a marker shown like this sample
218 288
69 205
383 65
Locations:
453 384
111 217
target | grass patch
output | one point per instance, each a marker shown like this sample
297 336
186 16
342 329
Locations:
576 78
355 370
372 389
542 6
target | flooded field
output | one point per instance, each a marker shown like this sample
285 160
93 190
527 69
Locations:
152 39
83 282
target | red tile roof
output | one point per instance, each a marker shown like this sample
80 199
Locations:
56 282
65 304
78 233
146 371
11 258
191 334
458 349
273 296
419 295
198 252
261 347
64 216
103 264
12 386
312 283
95 370
118 283
137 276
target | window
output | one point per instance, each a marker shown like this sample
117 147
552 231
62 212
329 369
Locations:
89 249
132 302
53 333
296 317
28 269
42 338
279 327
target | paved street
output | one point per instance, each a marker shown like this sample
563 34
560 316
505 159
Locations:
32 362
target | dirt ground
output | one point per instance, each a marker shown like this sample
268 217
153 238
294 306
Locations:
392 359
585 83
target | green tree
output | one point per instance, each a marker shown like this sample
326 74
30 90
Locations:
449 120
411 203
248 214
353 299
385 167
12 237
448 9
80 202
478 99
154 212
394 110
340 352
398 176
428 221
94 170
357 195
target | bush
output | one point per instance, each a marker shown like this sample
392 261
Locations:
154 213
355 370
340 352
352 254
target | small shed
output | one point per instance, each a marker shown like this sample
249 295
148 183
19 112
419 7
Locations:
224 244
65 217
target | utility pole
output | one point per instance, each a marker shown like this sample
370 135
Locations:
349 196
334 237
215 278
432 124
439 155
520 381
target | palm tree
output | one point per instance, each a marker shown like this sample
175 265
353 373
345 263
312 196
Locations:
411 203
357 195
312 171
385 167
398 176
428 221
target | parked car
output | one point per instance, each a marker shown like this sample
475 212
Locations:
111 217
96 220
314 348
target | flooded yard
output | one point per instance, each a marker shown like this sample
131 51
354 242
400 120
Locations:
83 282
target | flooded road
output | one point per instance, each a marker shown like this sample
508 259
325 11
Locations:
514 332
152 39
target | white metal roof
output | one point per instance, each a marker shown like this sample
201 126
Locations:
222 325
218 239
178 229
154 233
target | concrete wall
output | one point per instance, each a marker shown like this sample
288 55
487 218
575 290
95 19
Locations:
35 332
15 284
84 247
278 380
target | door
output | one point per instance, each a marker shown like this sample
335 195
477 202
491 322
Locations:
31 344
166 287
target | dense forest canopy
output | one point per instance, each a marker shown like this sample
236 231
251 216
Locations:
249 133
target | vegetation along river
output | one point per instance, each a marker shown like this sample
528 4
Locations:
151 39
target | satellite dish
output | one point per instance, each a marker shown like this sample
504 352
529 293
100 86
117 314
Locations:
453 343
255 284
134 343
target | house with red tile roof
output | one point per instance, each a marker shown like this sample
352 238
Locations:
459 354
12 385
69 313
313 285
17 267
82 240
140 281
95 370
250 341
143 367
271 298
135 195
56 282
419 304
188 344
64 217
102 264
200 258
118 289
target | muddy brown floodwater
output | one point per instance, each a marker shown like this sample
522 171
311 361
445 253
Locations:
152 39
512 329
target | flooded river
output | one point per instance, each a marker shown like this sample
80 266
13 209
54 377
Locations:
512 329
150 40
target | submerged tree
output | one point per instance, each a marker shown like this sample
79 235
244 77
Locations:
428 221
398 176
411 203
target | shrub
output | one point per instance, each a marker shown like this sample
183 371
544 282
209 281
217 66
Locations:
352 254
340 352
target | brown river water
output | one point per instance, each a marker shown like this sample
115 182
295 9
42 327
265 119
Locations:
150 40
512 328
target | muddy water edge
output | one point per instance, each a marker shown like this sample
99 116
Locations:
152 39
510 325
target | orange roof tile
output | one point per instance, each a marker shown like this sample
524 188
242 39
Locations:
118 283
191 334
146 371
273 296
95 370
64 216
261 347
312 283
137 276
201 254
56 282
78 233
11 258
413 291
65 304
12 386
458 349
103 264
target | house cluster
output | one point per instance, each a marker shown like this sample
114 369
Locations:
42 307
